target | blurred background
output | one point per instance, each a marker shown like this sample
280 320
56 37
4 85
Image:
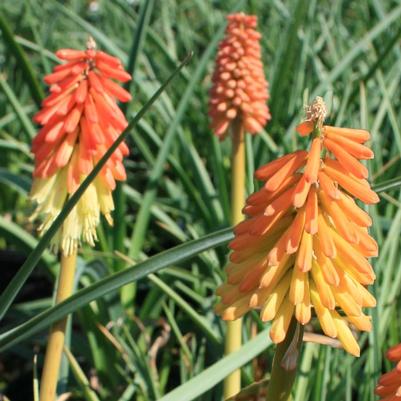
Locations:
348 52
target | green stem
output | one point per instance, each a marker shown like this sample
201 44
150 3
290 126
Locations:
284 367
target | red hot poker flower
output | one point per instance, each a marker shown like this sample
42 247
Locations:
80 120
239 90
389 386
305 242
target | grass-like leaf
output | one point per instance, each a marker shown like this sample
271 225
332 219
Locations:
167 258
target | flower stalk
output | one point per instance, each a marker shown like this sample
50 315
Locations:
54 350
80 120
232 383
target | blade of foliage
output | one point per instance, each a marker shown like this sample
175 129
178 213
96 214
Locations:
198 320
357 48
387 185
19 111
211 376
80 377
167 258
22 61
119 196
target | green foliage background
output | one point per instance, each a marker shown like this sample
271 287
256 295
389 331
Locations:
141 342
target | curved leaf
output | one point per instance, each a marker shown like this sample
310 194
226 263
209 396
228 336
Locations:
217 372
167 258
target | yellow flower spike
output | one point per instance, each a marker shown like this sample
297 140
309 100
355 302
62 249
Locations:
315 263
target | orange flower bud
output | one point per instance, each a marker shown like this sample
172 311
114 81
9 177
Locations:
239 90
80 120
305 244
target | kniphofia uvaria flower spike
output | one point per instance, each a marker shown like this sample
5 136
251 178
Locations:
305 243
237 105
239 90
389 386
80 120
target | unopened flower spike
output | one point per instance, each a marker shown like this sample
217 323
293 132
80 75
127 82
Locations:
304 246
239 90
80 120
389 386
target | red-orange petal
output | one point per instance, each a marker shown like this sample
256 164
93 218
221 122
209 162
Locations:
347 160
357 135
313 163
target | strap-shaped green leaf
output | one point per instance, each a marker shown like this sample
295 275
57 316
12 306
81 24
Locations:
167 258
217 372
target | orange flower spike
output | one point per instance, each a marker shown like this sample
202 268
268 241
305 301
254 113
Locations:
306 239
80 120
389 386
239 89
